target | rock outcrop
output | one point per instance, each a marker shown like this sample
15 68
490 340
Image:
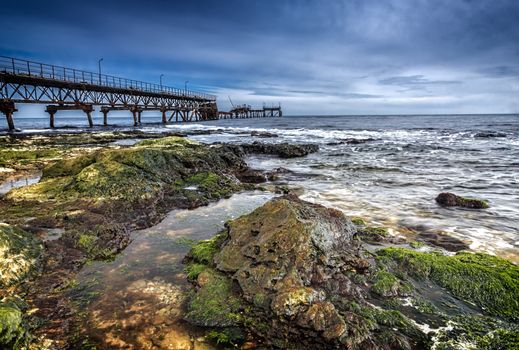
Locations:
283 150
264 134
294 275
285 272
97 199
448 199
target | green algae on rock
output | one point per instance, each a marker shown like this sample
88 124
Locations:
135 173
448 199
214 304
289 261
371 234
487 281
298 278
20 254
14 333
97 198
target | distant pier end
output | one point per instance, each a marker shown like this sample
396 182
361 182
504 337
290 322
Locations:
64 88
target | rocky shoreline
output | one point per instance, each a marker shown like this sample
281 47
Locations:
288 275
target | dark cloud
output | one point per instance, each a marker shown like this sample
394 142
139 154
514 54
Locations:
500 71
315 56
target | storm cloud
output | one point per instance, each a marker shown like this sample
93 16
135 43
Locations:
314 57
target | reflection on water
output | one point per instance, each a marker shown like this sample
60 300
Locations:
136 301
17 181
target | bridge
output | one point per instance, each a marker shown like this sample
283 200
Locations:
64 88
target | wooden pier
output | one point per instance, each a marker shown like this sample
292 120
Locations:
64 88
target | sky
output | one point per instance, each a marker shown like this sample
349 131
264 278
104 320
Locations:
315 57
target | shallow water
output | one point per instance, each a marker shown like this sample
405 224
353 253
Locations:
136 301
17 181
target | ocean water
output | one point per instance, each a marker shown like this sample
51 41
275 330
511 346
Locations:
393 178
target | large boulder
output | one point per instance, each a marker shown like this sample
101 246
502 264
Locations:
294 275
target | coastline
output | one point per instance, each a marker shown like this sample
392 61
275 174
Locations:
98 209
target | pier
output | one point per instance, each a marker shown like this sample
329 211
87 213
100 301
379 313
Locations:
62 88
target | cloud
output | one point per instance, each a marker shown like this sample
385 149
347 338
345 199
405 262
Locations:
316 56
500 72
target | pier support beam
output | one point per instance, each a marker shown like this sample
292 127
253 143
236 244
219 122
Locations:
52 109
51 118
8 108
105 111
89 117
164 117
136 112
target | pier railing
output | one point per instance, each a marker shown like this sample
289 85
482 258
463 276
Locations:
14 66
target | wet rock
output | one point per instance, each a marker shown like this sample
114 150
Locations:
350 141
275 174
263 134
489 134
252 176
97 198
296 277
442 240
371 234
448 199
214 304
295 264
486 281
20 254
283 150
258 176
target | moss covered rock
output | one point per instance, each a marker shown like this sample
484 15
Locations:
448 199
138 173
214 304
296 277
20 254
372 234
487 281
14 332
293 265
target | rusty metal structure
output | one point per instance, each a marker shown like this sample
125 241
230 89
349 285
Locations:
64 88
246 111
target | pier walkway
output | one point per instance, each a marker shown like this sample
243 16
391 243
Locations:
64 88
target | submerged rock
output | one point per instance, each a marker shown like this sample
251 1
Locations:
448 199
283 150
263 134
350 141
292 275
489 134
252 176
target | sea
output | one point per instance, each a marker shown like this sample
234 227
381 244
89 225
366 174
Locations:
385 169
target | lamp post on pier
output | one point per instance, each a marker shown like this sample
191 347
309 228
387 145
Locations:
185 86
99 66
161 81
